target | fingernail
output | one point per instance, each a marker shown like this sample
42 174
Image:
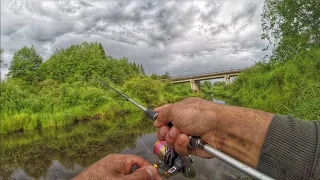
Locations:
173 133
152 171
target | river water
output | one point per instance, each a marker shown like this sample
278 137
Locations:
63 153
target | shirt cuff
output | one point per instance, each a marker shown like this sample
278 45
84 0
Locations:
290 149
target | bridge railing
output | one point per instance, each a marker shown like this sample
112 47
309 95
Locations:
205 73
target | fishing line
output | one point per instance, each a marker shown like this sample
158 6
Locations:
147 148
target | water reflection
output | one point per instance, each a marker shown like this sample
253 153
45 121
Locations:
55 171
35 154
63 153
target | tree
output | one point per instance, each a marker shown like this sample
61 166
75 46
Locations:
102 52
25 64
135 67
156 76
81 62
1 60
145 89
142 70
207 84
291 26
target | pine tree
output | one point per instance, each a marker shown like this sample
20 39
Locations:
103 53
142 70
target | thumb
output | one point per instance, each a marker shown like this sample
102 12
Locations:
144 173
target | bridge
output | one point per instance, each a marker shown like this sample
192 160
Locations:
195 79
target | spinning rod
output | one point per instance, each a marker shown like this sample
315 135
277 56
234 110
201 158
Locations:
171 162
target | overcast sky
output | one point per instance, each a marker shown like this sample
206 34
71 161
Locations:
179 37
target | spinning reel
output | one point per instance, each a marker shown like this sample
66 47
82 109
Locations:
171 163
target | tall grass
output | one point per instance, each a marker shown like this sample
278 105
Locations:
51 103
284 88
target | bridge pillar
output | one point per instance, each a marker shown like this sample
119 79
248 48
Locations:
227 79
195 85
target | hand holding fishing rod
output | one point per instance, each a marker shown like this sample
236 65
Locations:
231 132
198 127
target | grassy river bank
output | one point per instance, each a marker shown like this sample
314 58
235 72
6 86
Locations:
291 87
64 90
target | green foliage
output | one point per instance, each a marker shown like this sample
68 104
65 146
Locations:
49 104
82 62
291 27
1 59
142 70
175 92
144 88
66 90
164 76
288 88
25 64
206 88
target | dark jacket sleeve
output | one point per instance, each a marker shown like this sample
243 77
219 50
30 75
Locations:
291 149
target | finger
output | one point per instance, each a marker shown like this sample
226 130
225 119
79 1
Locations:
161 134
145 173
181 145
158 177
172 136
131 160
158 109
163 117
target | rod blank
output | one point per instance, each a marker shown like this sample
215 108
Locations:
196 142
236 164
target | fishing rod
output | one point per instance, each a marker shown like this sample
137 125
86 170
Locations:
171 162
151 113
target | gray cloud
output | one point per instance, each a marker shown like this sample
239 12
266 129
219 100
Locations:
178 37
248 12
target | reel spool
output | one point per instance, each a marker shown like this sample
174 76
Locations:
171 162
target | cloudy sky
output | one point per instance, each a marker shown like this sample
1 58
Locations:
179 37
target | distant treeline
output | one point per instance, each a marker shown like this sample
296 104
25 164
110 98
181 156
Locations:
64 90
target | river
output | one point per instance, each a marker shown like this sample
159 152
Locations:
62 153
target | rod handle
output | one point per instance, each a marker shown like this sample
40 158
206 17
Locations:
153 115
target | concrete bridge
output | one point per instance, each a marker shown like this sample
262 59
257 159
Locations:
195 79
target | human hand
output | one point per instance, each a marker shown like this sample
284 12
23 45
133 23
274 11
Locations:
239 132
191 116
118 167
